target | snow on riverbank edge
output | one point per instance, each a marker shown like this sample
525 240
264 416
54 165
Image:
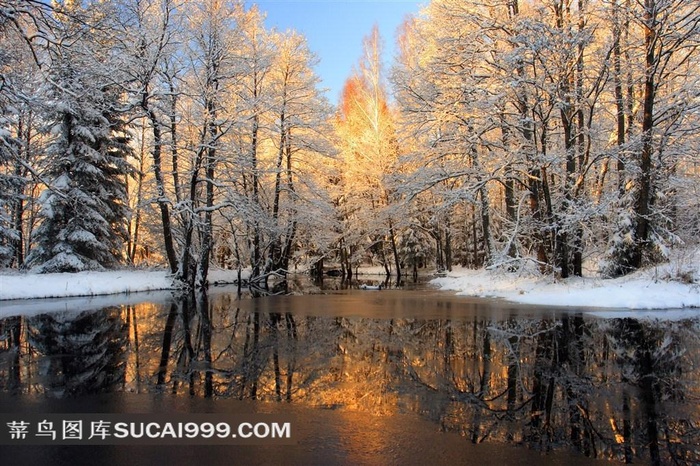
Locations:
64 285
647 289
642 290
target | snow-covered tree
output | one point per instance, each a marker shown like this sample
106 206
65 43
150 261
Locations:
667 107
301 146
24 25
520 110
369 151
83 208
150 63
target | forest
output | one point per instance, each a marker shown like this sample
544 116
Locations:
558 136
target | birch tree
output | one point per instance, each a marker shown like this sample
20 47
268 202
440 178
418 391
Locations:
369 149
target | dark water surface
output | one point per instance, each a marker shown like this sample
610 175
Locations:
388 377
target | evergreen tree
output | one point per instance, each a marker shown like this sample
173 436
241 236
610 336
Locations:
84 352
84 207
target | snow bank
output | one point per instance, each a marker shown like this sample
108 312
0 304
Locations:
373 270
30 294
670 315
64 285
643 290
61 285
220 276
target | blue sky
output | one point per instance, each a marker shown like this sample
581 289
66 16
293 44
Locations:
335 29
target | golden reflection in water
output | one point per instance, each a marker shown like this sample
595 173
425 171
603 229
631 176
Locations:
144 321
544 386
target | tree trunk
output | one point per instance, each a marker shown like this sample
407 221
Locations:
173 139
17 208
395 251
134 238
207 229
645 193
561 235
582 147
619 98
257 253
189 220
475 239
486 226
17 214
276 251
160 186
210 162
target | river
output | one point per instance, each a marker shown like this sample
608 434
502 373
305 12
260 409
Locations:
397 376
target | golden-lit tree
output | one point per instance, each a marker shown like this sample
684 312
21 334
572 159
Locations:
561 133
522 107
299 143
369 151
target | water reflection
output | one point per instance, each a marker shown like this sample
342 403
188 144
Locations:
608 388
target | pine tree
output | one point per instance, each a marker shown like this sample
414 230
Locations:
84 207
84 352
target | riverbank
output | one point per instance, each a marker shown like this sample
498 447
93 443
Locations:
674 285
18 285
65 285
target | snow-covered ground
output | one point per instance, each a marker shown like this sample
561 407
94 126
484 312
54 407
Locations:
655 288
372 270
670 286
55 285
62 285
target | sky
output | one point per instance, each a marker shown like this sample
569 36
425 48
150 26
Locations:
334 30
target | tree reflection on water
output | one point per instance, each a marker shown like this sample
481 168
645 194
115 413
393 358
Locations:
608 388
